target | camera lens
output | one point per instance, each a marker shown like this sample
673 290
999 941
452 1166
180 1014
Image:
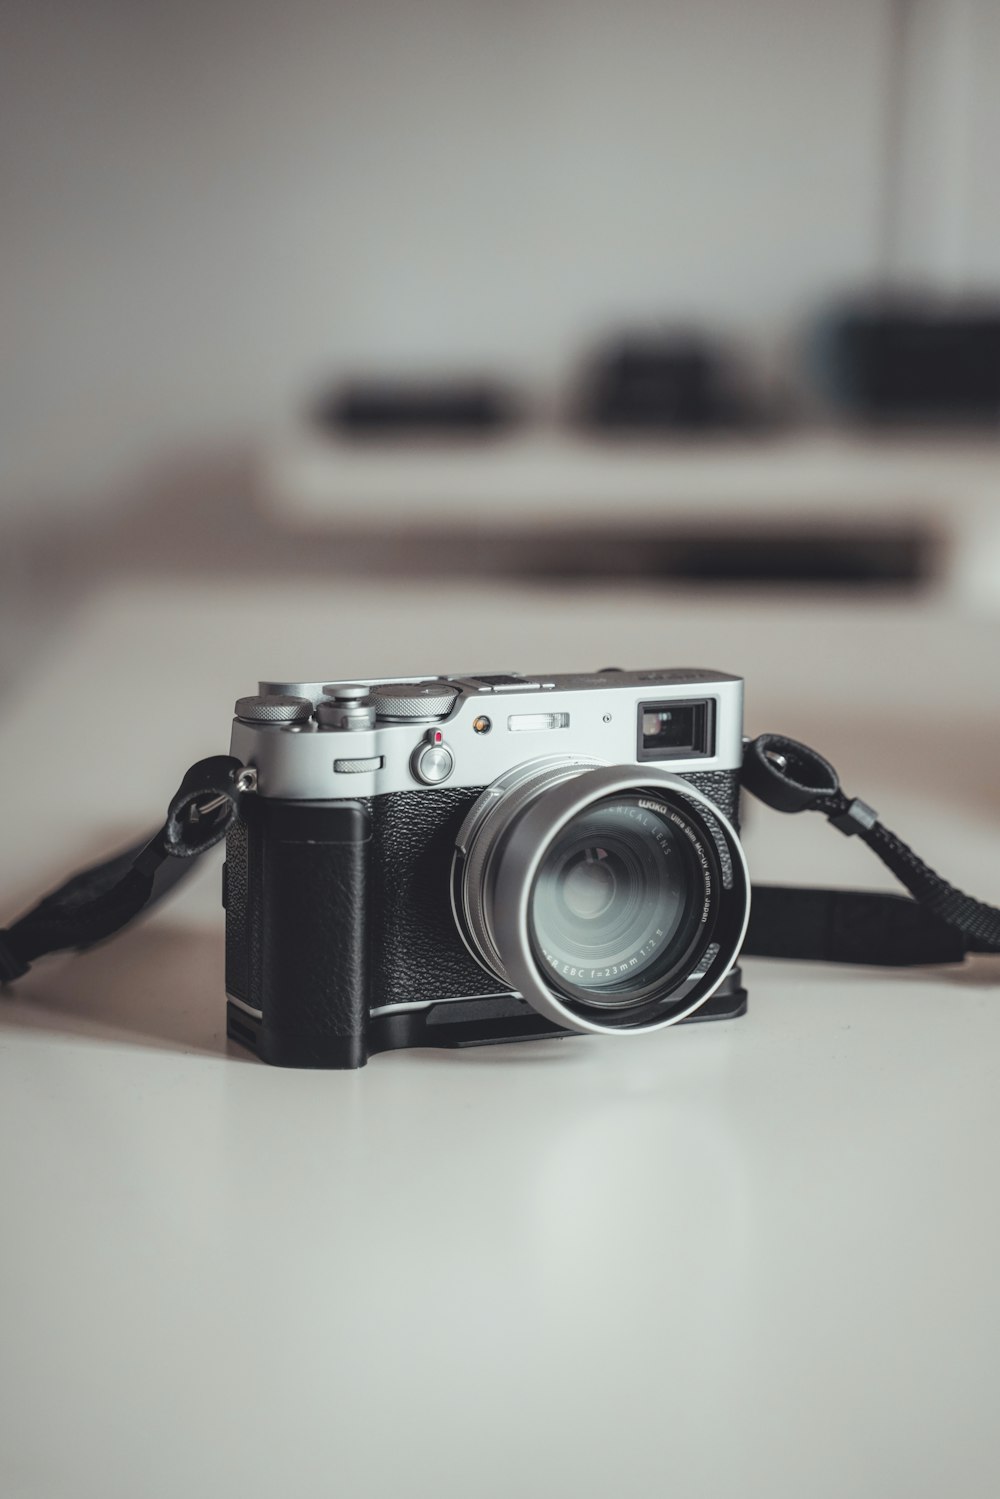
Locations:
610 897
588 883
615 901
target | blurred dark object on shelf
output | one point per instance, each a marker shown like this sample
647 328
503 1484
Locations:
666 383
828 555
914 360
383 408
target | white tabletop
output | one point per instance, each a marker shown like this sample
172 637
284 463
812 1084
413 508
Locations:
749 1258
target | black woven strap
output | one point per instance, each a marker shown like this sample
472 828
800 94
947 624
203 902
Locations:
940 924
101 900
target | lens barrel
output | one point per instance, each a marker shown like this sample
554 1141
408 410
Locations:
612 898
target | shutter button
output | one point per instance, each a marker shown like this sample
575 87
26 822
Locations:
432 762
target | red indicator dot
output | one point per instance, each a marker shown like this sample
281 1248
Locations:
438 736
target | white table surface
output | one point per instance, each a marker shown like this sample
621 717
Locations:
750 1258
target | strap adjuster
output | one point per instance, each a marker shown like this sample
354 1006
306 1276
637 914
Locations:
857 817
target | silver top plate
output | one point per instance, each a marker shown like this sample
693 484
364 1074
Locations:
594 716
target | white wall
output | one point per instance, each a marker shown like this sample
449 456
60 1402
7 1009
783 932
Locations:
207 206
980 263
948 207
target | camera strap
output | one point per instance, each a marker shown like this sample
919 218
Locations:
99 901
935 923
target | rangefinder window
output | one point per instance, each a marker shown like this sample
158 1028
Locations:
676 731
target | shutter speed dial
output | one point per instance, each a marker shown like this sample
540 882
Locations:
400 701
432 761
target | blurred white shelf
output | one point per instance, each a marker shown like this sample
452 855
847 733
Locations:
544 480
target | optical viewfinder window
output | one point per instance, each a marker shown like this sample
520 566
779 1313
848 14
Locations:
676 730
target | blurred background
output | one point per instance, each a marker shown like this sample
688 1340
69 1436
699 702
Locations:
403 336
691 297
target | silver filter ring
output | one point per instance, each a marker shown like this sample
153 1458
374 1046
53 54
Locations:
502 846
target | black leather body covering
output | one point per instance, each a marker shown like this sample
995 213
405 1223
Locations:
337 908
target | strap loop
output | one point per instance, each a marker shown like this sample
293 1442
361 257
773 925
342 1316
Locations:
789 776
202 808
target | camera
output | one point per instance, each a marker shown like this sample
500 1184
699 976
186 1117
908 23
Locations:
459 860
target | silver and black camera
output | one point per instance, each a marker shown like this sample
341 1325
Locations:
453 861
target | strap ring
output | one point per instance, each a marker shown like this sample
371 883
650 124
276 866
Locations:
787 775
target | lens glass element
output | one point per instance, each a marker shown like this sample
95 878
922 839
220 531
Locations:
620 901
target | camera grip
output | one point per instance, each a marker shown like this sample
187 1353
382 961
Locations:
307 874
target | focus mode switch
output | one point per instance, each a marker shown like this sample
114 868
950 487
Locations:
432 761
